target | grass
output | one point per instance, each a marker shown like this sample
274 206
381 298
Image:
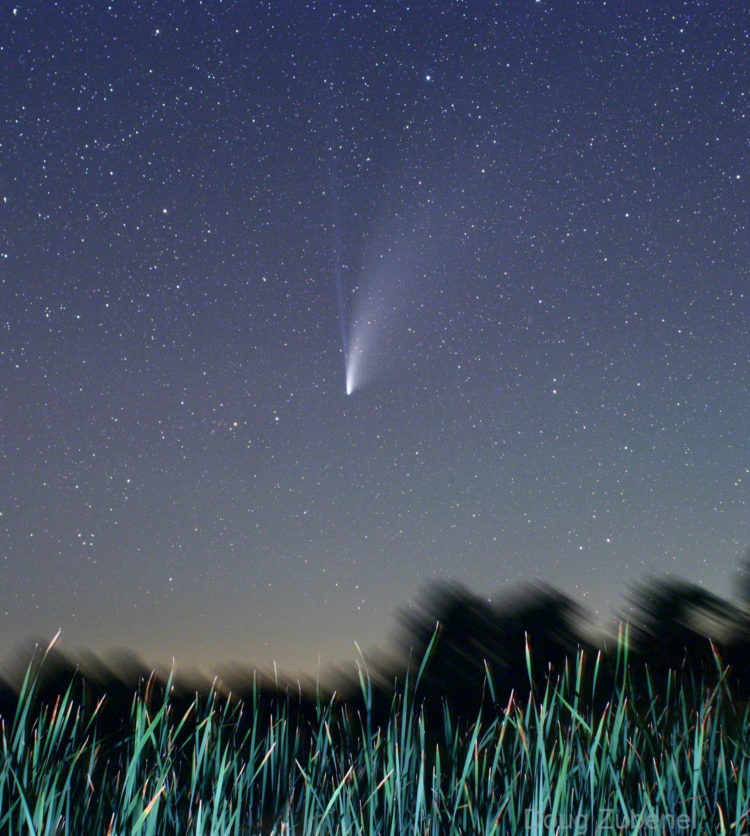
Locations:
550 762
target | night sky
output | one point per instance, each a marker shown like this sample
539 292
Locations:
516 233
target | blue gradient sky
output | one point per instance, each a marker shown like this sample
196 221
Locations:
550 201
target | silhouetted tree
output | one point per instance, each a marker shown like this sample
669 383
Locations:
476 638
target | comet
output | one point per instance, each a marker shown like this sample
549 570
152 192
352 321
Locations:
353 363
372 330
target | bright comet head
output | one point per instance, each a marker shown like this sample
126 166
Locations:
353 365
350 382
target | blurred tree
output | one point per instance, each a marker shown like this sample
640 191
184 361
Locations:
475 636
744 581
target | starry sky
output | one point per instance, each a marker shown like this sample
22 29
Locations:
515 232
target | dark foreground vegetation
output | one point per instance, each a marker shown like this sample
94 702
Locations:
505 719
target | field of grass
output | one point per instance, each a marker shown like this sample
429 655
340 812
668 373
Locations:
557 761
